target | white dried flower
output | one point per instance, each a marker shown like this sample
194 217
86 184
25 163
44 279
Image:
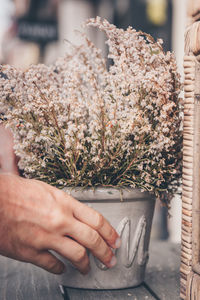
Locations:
77 122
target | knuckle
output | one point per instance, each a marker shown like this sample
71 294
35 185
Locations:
81 254
108 256
58 195
59 216
95 239
112 235
99 221
55 219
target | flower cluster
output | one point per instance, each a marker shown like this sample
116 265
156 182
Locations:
80 122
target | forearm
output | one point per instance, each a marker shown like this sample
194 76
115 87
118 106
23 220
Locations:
8 162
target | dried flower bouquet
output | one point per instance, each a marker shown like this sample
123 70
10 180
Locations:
80 123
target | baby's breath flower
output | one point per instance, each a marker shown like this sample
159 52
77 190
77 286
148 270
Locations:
79 123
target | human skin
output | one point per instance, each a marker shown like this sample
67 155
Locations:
7 157
36 217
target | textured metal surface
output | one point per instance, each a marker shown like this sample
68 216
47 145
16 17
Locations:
132 220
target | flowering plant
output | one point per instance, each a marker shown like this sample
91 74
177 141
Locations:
80 123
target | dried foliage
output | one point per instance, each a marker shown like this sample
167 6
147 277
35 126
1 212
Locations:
79 123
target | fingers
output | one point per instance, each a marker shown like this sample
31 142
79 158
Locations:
73 251
49 262
94 219
66 247
92 240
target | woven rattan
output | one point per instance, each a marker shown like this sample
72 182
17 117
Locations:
190 258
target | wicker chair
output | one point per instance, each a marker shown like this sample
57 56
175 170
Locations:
190 251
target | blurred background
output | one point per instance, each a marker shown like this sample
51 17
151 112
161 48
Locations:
33 31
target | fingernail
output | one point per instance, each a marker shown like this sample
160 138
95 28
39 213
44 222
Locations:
118 243
113 262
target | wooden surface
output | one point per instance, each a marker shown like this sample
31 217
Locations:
20 281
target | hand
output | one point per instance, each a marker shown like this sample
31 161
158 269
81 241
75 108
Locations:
8 162
36 217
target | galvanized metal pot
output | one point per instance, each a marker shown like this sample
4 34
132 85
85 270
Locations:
130 212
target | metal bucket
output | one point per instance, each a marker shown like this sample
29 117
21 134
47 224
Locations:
130 212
